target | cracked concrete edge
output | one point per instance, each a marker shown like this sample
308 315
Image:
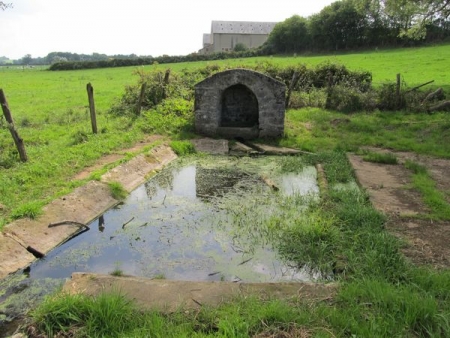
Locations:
81 206
169 295
14 256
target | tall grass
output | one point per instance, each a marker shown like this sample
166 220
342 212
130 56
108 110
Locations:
107 315
433 198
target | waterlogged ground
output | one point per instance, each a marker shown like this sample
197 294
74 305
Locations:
200 219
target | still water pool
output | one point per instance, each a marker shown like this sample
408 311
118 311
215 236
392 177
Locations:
199 219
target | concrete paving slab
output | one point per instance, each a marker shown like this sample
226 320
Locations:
272 150
132 173
136 171
211 146
239 148
385 186
163 154
82 205
168 295
14 256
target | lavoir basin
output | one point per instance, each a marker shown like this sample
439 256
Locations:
206 218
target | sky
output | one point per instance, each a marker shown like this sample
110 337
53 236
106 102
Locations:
142 27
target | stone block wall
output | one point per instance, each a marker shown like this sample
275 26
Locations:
240 103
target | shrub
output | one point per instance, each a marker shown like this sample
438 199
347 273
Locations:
349 99
387 97
332 74
240 47
182 147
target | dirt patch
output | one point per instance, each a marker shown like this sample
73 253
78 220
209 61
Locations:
389 188
426 241
438 168
292 332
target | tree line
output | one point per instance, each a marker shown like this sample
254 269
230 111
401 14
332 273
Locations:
56 57
354 24
343 25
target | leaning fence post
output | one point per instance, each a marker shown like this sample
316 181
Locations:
17 140
90 91
141 98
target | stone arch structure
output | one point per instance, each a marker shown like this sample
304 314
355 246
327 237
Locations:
240 103
239 107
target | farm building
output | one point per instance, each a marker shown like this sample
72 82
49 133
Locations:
226 34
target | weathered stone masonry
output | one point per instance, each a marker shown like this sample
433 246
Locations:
240 103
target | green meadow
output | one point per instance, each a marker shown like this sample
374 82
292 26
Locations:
380 294
50 110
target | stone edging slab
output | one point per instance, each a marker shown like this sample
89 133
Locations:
25 236
169 295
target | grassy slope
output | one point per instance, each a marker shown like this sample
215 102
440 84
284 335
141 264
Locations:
315 129
50 112
416 65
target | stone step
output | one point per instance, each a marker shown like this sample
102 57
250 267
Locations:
169 295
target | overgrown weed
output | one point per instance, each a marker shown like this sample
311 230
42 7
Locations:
182 148
433 198
108 315
384 158
117 190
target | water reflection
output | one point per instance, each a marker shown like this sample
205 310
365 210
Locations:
199 221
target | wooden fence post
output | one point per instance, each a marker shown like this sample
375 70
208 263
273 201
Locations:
90 91
397 91
166 82
9 120
141 98
294 81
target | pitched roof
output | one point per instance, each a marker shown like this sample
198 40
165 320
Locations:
242 27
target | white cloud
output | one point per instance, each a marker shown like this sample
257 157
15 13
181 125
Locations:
143 27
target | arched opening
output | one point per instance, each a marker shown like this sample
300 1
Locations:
239 107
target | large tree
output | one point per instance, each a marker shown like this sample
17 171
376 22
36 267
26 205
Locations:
416 15
290 35
338 26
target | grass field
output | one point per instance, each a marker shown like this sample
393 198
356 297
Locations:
51 113
381 294
51 92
